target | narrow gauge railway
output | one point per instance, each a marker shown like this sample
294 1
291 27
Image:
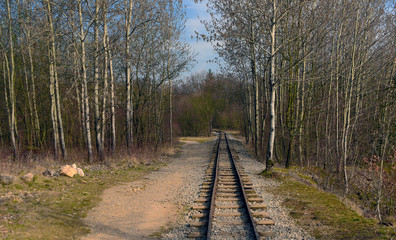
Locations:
228 206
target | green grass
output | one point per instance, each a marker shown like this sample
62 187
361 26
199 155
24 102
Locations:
323 214
53 208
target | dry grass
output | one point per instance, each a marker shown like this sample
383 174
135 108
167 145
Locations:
53 207
196 139
323 214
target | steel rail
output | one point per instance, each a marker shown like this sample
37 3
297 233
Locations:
214 191
240 183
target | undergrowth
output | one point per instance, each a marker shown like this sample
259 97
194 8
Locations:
322 214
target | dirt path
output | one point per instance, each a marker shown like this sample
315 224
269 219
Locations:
142 209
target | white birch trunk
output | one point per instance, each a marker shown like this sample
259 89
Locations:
11 86
129 105
272 82
98 137
85 86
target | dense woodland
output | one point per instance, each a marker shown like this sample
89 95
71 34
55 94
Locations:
94 75
310 83
319 82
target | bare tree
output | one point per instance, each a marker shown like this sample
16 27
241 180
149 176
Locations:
11 86
84 85
129 104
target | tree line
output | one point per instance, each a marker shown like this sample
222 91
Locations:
205 101
89 74
319 82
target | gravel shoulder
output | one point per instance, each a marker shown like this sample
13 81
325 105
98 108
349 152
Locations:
158 206
146 208
285 227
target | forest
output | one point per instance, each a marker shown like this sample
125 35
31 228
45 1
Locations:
319 82
93 75
309 83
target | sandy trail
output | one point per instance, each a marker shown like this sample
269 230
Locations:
140 209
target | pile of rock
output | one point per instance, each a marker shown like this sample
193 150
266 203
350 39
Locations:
71 170
7 179
66 170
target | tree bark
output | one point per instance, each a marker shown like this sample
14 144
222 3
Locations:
105 73
84 84
112 100
11 87
272 83
33 83
129 103
347 110
98 125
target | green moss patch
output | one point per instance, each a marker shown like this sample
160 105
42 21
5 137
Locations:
323 214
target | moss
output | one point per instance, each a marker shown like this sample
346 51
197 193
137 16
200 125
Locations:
323 214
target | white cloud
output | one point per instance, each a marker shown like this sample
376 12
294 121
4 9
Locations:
204 50
193 25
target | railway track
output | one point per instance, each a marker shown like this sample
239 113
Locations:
228 206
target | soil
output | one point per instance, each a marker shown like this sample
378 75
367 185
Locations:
146 208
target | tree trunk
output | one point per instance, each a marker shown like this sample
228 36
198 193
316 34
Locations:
347 110
302 112
34 101
98 138
84 84
11 86
112 100
272 81
105 74
54 112
386 127
29 116
129 104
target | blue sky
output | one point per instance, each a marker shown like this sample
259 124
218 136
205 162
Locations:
204 50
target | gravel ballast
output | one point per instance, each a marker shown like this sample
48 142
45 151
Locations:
284 228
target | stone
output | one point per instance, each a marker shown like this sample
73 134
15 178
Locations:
68 170
51 173
80 172
7 179
27 177
74 166
47 173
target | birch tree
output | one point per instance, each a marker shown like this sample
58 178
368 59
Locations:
84 85
129 104
11 86
56 115
98 123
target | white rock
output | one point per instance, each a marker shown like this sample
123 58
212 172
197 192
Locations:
80 172
27 177
7 179
68 170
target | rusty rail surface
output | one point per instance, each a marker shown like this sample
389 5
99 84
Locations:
240 183
220 181
214 191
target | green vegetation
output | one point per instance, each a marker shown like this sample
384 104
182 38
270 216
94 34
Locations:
52 207
323 214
